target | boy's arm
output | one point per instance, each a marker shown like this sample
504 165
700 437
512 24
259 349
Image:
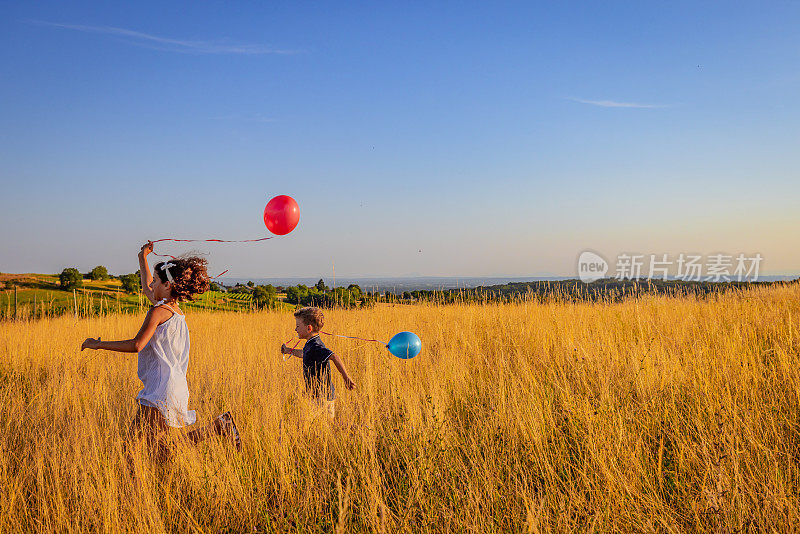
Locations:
298 353
348 382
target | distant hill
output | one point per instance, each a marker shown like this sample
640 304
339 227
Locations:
398 285
573 289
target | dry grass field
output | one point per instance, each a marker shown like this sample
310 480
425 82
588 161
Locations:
653 415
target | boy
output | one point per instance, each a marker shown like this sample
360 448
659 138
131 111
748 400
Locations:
316 357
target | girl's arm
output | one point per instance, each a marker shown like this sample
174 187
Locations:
154 317
145 276
348 382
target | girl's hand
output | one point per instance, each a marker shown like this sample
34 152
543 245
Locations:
91 343
147 248
284 348
348 383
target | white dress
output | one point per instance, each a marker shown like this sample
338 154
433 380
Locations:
162 370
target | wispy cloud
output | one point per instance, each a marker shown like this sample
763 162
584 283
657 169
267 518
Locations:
244 118
615 104
148 40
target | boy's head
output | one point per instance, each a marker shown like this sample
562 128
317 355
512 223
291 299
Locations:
308 322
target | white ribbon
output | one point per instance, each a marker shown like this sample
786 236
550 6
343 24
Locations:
165 268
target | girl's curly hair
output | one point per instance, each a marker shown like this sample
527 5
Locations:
189 276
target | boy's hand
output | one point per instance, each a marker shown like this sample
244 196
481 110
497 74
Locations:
284 348
90 343
147 248
348 383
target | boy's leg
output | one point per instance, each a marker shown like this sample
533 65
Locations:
319 407
330 408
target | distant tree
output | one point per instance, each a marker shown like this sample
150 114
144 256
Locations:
213 286
250 284
98 273
292 295
321 285
264 296
406 295
70 278
130 282
355 289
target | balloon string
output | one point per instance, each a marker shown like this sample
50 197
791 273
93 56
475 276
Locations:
339 335
293 347
213 240
174 258
355 337
170 256
205 241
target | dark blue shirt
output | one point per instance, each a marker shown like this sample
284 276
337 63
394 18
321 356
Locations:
317 369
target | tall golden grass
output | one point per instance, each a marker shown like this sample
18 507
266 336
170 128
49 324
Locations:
657 414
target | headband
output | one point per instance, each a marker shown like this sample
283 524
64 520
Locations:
165 268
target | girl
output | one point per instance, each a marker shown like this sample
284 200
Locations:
163 347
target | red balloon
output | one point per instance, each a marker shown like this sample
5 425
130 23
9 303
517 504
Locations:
281 215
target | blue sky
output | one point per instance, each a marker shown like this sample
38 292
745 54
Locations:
468 139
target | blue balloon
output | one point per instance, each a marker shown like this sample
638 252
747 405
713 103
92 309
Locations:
405 345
